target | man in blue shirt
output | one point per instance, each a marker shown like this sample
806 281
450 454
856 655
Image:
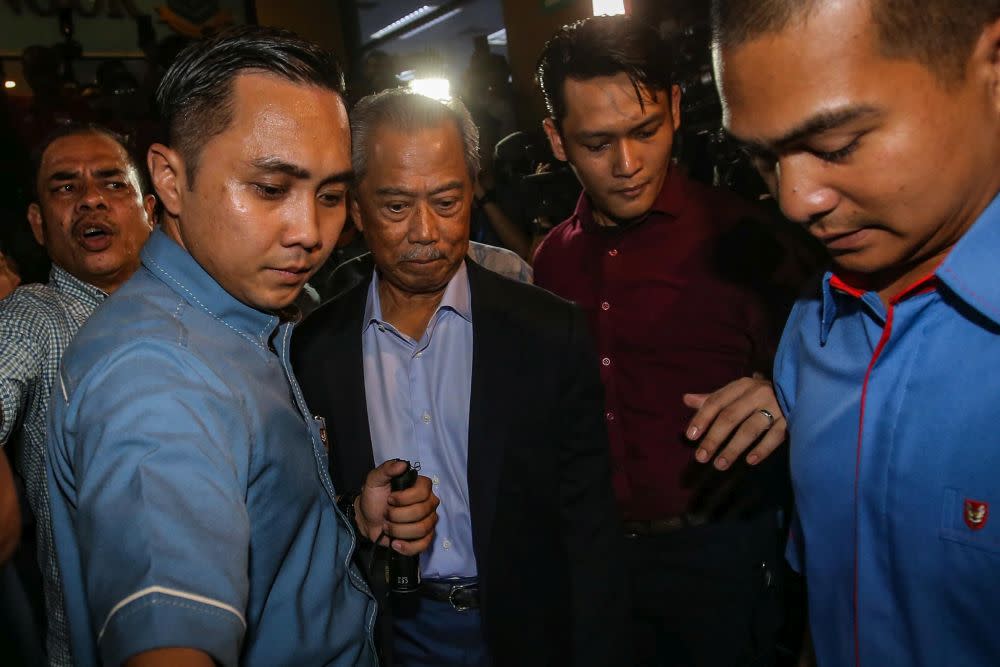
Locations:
876 124
492 386
193 512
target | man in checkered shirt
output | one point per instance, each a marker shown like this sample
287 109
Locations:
92 215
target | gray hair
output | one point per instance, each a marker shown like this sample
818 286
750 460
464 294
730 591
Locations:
403 109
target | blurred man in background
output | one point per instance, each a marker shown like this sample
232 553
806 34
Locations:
92 215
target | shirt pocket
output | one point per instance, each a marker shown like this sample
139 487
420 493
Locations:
968 518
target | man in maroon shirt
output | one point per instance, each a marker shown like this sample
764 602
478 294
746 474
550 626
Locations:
673 277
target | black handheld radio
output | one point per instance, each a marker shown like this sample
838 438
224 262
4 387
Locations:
404 571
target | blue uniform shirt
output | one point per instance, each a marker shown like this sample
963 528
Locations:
191 503
894 418
418 409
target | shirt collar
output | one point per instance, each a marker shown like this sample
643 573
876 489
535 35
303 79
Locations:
457 297
181 273
968 271
970 268
66 282
670 202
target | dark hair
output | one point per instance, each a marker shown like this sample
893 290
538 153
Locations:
603 46
78 128
940 34
195 95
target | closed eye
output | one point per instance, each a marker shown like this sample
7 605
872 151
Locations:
331 199
838 155
268 191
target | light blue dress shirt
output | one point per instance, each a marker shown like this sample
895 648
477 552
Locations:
418 409
893 416
191 500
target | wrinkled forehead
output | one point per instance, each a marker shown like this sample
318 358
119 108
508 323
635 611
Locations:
88 152
416 152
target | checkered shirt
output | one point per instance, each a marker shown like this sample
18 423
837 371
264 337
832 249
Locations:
37 323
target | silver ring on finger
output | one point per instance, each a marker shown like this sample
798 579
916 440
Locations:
767 414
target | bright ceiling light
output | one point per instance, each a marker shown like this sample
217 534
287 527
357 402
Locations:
430 24
438 89
609 7
498 38
404 21
9 84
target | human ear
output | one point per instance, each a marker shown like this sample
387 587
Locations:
37 225
555 139
169 176
356 213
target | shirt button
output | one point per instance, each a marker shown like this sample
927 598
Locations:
610 416
613 252
605 361
446 544
605 306
426 418
436 480
418 355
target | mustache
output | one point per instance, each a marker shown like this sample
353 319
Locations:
422 254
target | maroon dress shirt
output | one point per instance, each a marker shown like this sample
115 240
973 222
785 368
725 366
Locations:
678 303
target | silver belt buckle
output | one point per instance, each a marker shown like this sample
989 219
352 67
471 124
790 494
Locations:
451 596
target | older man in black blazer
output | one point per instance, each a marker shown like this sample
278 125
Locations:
492 386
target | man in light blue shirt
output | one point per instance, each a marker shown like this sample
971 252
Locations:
493 387
194 516
418 410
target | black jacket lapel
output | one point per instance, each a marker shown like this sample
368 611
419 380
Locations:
486 426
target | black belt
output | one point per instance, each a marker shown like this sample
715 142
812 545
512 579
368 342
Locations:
648 527
460 596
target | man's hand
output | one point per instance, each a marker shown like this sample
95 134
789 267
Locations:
405 517
734 416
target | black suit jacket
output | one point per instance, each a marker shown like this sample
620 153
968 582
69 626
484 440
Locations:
545 528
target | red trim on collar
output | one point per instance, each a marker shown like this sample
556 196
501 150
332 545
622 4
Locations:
926 284
838 284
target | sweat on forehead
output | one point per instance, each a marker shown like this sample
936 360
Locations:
195 96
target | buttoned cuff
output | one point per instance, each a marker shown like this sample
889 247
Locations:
164 618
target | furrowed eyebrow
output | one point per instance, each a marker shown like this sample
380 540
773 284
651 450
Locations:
402 192
109 173
340 177
64 176
646 122
453 185
278 165
394 192
819 123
